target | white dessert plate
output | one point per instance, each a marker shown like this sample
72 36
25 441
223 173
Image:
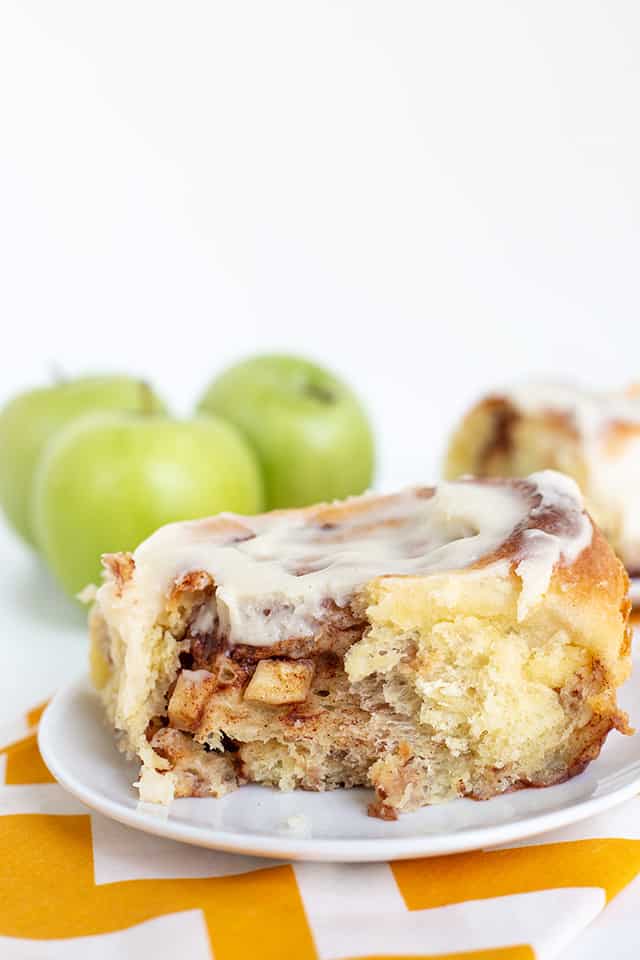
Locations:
634 590
79 749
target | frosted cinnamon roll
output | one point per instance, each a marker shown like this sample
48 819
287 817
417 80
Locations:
593 437
436 643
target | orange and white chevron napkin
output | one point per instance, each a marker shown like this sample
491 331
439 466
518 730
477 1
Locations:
76 886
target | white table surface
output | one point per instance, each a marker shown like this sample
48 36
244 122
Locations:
43 643
43 640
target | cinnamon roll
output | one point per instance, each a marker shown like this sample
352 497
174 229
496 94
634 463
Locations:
463 640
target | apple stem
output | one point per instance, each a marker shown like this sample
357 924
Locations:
146 399
319 392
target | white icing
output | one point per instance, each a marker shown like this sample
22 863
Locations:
260 598
613 470
544 550
588 408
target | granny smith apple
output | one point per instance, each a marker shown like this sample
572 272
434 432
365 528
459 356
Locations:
107 481
29 420
309 430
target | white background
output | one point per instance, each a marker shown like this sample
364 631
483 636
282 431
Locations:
431 198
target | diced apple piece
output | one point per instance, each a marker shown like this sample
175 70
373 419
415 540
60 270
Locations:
280 681
193 689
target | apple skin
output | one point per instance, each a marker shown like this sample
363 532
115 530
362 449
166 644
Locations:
309 430
31 419
107 481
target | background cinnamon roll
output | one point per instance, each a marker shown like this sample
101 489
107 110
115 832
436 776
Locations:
593 437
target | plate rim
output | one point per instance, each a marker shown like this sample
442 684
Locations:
300 848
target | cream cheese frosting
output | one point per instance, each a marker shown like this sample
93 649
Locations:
275 572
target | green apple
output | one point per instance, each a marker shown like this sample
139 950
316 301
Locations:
107 481
309 430
29 420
